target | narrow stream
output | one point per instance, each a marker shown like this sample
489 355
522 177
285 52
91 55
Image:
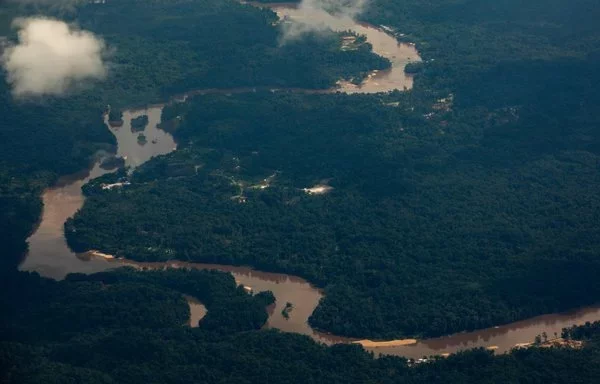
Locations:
50 256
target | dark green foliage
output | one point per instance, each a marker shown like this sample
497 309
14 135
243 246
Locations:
444 216
20 208
139 123
589 332
414 68
125 327
115 116
37 309
54 135
230 308
112 162
141 139
156 49
420 235
470 204
167 47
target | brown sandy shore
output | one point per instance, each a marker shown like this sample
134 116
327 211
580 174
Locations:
366 343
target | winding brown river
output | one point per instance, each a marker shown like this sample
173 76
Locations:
50 256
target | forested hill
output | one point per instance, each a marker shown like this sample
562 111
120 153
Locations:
155 49
127 327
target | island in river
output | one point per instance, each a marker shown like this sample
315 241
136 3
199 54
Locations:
122 326
384 237
371 178
526 122
50 255
548 272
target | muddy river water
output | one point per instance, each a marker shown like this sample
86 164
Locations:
50 256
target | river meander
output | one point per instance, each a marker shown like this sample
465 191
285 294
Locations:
50 255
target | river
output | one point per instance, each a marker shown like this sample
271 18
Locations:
384 44
50 255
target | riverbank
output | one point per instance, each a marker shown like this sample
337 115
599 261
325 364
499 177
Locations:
287 288
305 298
55 259
385 344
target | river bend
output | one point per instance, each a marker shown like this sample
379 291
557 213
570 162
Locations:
50 255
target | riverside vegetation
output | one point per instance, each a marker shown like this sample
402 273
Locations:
419 235
126 327
464 203
162 48
473 197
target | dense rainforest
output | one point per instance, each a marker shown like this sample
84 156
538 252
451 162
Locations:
423 232
128 327
467 202
154 50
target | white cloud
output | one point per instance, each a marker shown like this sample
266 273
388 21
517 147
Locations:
323 15
51 57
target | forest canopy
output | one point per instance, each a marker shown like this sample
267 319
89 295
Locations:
424 226
155 50
127 327
466 202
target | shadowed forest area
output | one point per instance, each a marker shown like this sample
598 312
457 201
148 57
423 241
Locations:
126 327
155 50
419 228
466 202
462 204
